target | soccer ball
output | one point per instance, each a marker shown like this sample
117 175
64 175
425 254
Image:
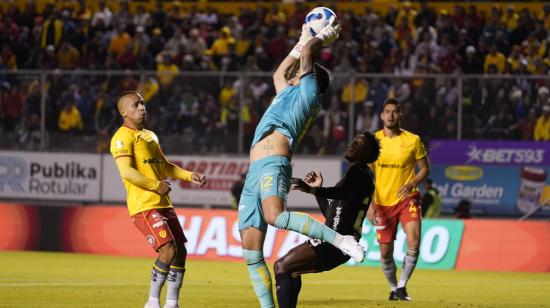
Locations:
319 18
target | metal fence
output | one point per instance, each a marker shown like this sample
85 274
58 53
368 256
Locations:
216 112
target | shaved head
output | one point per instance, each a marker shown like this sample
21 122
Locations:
131 107
121 99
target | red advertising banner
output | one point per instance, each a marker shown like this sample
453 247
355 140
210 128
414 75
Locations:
18 227
504 245
488 245
211 234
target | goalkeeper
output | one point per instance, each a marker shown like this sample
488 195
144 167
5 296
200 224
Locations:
263 200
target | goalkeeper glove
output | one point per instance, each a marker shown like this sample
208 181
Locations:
329 34
304 38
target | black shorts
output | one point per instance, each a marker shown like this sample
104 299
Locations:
328 256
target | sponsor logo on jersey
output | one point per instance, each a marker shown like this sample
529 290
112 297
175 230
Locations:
119 144
162 233
158 224
391 166
152 161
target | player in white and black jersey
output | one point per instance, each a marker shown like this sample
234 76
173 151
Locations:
344 207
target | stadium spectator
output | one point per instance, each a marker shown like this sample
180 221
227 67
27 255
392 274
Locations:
29 135
142 18
368 119
67 56
166 73
408 40
236 190
472 64
542 127
8 59
355 92
12 107
49 59
149 89
119 41
335 123
70 119
103 17
52 31
543 94
496 58
220 47
431 201
462 211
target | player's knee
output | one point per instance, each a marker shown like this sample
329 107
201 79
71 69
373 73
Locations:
167 252
272 208
270 219
280 266
386 252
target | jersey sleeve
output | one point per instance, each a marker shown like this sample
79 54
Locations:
309 90
122 144
420 151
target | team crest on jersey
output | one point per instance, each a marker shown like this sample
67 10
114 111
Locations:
119 144
151 240
162 233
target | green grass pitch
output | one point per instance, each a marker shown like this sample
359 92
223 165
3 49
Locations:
39 279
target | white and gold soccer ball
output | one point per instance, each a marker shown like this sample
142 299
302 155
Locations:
318 18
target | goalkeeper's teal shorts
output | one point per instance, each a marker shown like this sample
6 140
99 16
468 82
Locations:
269 176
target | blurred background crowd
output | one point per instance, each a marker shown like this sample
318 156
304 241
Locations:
205 74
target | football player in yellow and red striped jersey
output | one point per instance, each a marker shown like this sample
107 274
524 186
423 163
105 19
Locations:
144 170
396 196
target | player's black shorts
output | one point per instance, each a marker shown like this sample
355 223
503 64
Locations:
329 256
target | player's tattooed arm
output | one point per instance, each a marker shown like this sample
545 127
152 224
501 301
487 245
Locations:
308 52
280 75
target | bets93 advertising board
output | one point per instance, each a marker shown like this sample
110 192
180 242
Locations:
55 176
498 178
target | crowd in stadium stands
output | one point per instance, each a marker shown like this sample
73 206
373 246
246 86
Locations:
406 42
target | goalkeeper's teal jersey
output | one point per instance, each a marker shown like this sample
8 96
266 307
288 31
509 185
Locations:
292 111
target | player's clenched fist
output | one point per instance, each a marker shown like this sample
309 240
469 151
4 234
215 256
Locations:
164 188
199 179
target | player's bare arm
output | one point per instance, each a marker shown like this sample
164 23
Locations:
423 172
280 80
176 172
308 52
